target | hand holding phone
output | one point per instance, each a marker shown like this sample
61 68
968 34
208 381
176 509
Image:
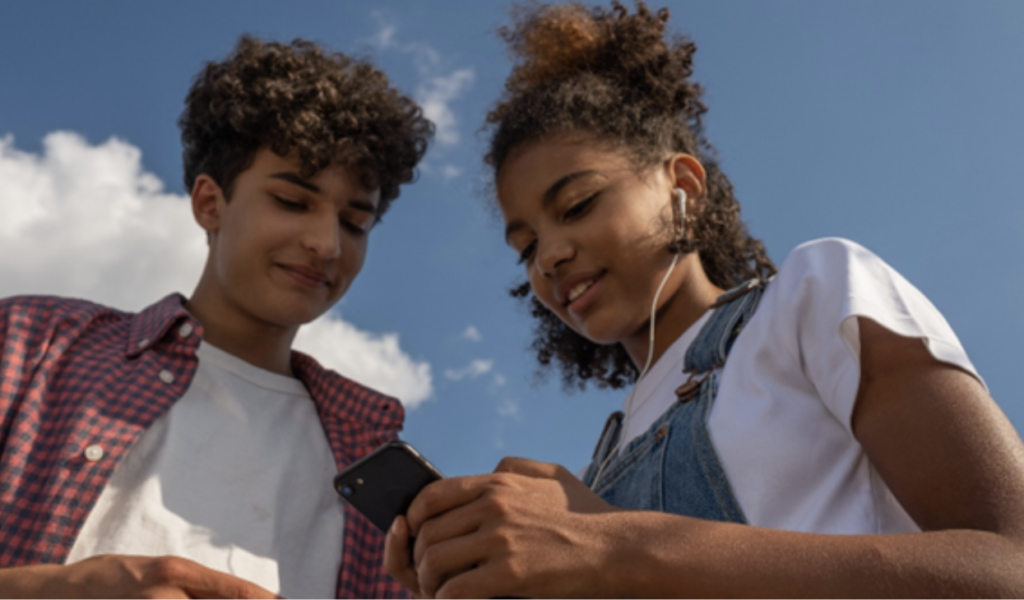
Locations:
384 483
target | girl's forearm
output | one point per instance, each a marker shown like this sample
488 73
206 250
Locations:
665 555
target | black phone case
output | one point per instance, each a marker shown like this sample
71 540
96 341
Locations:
384 483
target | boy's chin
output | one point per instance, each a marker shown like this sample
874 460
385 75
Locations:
296 316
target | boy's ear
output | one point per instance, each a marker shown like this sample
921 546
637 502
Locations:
206 203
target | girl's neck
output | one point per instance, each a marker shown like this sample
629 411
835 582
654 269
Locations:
687 295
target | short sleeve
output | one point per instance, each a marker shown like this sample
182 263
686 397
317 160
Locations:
825 284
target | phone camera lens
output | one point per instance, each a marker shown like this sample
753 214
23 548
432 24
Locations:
347 490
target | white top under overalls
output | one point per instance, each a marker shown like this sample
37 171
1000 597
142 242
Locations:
781 422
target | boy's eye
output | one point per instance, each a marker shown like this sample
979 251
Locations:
527 252
355 228
289 204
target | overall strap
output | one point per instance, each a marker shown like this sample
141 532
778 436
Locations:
733 310
708 351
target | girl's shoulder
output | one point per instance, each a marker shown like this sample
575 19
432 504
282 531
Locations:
831 260
832 279
810 312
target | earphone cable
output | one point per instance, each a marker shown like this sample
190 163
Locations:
647 366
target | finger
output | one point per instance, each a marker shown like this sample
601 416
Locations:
441 496
164 592
457 522
531 468
481 582
202 582
398 555
448 559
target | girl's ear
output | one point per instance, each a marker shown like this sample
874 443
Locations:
206 203
687 172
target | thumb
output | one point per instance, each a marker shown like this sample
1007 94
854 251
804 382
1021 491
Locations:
532 468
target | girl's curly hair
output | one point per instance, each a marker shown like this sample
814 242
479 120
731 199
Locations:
326 107
611 74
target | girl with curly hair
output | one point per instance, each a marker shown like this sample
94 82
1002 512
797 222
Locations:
811 430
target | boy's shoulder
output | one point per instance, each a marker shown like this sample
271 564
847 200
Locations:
346 400
43 308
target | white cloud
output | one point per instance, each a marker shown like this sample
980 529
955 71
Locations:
88 221
472 334
385 36
497 382
424 57
436 96
509 409
474 369
450 172
370 359
437 90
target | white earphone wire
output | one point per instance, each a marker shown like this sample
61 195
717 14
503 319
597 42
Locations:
681 195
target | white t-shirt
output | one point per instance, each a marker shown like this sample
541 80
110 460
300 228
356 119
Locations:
237 477
782 420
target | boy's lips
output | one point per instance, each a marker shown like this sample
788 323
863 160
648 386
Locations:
306 275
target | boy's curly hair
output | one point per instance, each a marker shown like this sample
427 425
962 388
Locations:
611 74
326 107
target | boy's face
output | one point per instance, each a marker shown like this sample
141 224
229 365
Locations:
285 248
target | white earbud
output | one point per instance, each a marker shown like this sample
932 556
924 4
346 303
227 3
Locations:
681 195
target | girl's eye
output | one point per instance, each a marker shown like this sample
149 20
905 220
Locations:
527 252
580 207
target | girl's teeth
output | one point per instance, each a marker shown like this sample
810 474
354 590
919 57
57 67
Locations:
579 289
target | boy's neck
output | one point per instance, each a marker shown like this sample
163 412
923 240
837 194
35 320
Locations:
230 329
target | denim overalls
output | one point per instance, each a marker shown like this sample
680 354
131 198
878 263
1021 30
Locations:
673 466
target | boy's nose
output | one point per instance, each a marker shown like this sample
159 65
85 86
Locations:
324 240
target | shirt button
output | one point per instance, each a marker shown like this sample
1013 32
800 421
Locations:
142 343
94 453
166 376
186 330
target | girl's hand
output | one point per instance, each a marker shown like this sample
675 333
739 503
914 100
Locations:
528 529
398 556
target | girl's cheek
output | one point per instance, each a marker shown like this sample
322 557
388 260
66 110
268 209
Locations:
542 289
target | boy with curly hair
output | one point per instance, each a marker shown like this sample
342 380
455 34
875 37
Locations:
152 454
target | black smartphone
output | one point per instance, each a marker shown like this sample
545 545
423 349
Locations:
384 483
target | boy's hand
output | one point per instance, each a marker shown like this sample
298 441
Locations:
117 576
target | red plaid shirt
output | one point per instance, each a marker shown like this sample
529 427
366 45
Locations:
74 375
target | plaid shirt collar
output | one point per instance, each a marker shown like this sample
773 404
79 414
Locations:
150 325
155 321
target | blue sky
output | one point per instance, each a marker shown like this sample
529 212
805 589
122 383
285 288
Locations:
895 124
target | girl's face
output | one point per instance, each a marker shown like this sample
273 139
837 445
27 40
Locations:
592 233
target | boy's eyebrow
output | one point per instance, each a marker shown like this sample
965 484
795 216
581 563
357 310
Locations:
549 196
363 205
297 180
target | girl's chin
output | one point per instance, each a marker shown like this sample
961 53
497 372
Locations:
600 333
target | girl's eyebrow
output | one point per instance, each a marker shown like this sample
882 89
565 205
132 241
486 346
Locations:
549 197
552 192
